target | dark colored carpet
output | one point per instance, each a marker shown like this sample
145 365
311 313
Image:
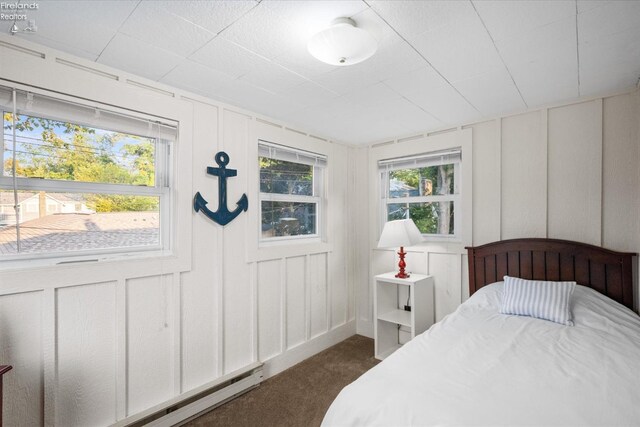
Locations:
301 395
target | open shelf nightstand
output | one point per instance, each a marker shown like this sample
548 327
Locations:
389 312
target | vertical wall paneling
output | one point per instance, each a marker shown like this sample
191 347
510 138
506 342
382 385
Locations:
219 271
283 305
201 288
121 350
49 354
464 260
269 308
486 182
352 266
307 297
575 172
255 335
21 323
317 294
149 337
86 371
339 220
238 344
447 275
296 301
620 160
524 176
176 317
360 222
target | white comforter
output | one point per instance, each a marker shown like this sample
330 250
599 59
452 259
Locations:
479 367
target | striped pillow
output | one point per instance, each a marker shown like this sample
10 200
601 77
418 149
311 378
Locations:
537 298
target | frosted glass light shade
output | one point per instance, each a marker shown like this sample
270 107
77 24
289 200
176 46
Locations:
401 232
342 44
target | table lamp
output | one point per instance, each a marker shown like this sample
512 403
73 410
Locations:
401 232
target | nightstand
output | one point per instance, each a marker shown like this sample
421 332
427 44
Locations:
389 313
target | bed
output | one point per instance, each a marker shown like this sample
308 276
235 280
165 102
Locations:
479 367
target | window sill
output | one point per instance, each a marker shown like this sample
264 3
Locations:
81 260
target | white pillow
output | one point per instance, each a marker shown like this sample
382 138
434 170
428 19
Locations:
537 298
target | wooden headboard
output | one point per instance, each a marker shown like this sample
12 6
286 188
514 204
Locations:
606 271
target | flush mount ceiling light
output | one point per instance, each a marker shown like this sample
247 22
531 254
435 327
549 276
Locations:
342 43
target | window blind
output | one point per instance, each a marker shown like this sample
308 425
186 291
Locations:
288 154
422 160
37 105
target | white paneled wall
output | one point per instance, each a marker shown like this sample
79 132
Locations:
574 172
522 151
86 354
568 172
93 344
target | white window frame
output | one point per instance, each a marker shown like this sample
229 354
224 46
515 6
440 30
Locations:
318 185
449 156
163 188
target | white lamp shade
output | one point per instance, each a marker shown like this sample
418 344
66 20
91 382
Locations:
402 232
342 44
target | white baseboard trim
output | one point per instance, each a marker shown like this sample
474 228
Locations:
201 406
139 417
293 356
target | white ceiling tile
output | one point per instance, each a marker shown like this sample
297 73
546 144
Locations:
548 80
610 63
227 57
106 13
492 93
404 113
196 78
299 60
411 18
309 17
272 77
210 15
138 57
507 19
242 94
585 5
313 119
264 32
371 22
62 24
160 28
425 88
308 94
342 107
361 128
346 79
558 38
375 94
609 18
394 57
460 49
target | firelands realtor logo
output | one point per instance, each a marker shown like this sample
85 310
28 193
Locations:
16 11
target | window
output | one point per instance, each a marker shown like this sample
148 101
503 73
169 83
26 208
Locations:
425 188
291 183
78 179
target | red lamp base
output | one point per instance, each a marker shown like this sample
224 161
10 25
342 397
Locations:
402 274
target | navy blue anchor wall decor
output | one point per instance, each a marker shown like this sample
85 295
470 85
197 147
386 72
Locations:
223 215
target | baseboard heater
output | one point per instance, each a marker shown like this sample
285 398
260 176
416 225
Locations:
203 401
